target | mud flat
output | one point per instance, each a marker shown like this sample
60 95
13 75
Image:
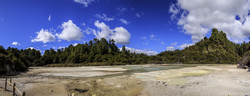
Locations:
134 80
222 80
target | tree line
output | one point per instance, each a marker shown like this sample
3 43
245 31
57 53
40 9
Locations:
216 49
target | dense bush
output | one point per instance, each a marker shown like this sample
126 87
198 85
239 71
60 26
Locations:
13 60
216 49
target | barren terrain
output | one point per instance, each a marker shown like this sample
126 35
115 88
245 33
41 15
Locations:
133 80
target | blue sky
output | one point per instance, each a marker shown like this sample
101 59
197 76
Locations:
146 25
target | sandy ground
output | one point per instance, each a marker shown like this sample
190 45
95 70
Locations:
219 80
223 80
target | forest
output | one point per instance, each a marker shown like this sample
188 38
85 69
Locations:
216 49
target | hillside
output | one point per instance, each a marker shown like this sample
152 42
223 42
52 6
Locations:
215 49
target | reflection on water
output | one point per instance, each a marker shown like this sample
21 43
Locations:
141 68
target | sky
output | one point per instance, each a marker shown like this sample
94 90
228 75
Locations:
143 26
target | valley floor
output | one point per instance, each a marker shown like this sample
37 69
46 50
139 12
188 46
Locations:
133 80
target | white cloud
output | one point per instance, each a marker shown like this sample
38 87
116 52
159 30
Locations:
83 24
144 37
70 32
119 34
170 48
44 36
133 50
34 48
84 2
49 17
121 11
89 30
185 45
162 43
174 44
44 45
198 17
31 48
75 44
104 17
152 36
104 30
144 43
124 21
15 43
61 47
139 14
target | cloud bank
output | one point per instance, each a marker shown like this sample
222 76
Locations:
198 17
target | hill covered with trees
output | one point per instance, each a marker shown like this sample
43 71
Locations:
216 49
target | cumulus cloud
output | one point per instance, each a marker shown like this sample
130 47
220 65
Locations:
84 2
15 43
170 48
70 32
104 30
103 17
185 45
133 50
124 21
119 34
198 17
44 36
